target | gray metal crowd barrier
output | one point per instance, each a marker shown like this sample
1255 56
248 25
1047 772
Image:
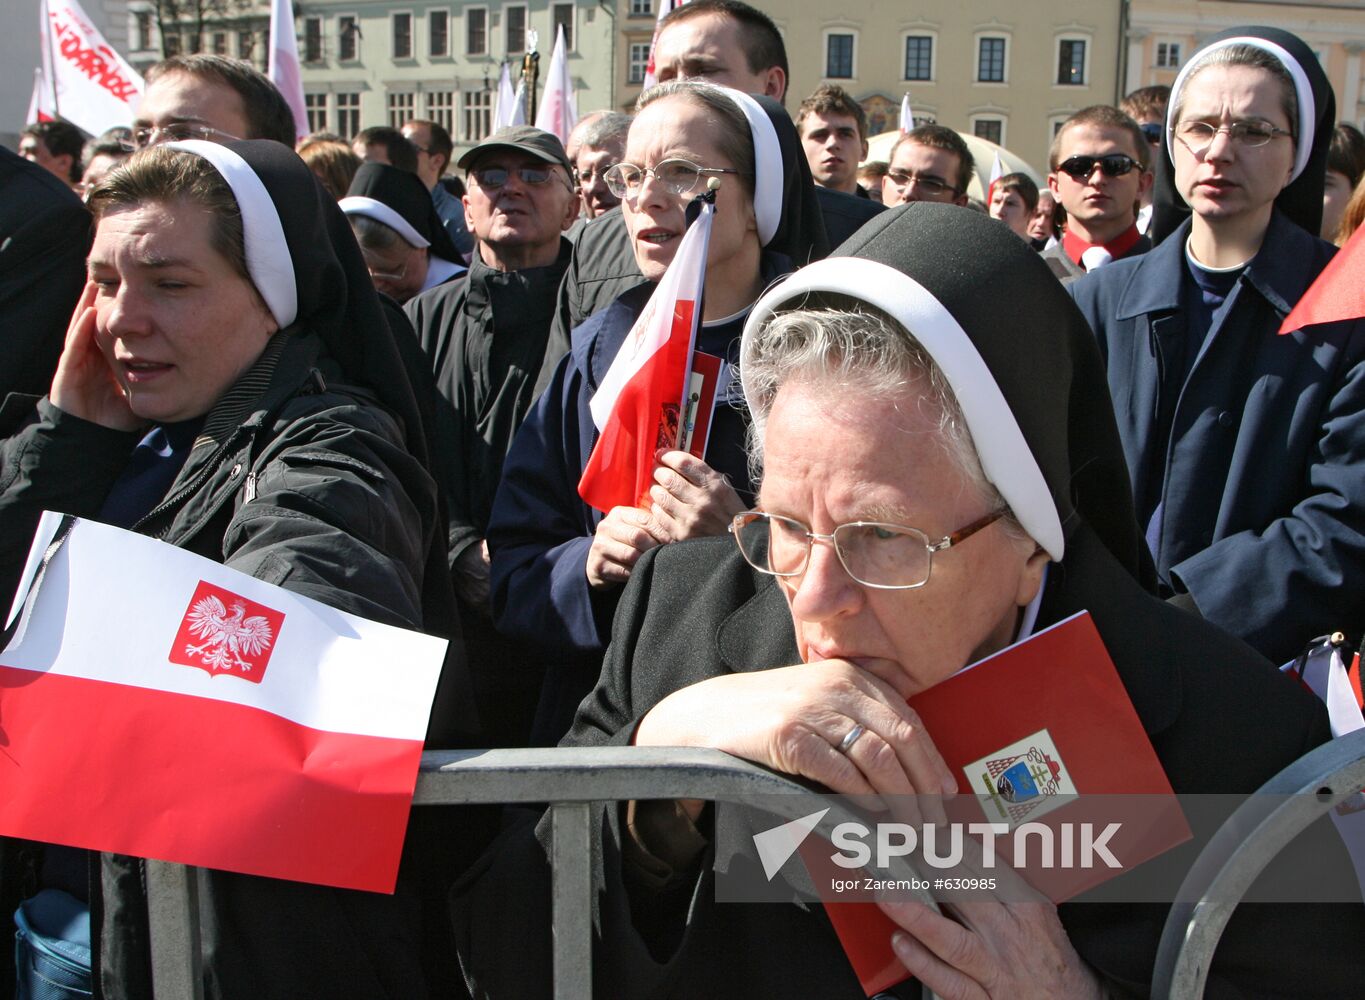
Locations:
571 779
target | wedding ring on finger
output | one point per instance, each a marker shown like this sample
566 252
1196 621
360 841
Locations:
851 738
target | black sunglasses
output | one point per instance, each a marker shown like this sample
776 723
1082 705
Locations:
1152 130
1113 165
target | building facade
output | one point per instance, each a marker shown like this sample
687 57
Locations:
1163 34
385 61
1001 70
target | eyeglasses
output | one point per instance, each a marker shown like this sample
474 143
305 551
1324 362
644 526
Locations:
876 555
676 175
591 176
1198 136
1113 165
492 178
935 186
1152 132
380 275
155 135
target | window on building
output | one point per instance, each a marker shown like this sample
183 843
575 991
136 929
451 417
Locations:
476 31
563 18
144 30
919 57
316 106
477 117
1168 55
438 33
312 39
990 60
246 45
639 62
1071 62
348 115
348 34
641 8
170 44
515 18
402 36
440 106
218 43
402 107
991 129
838 56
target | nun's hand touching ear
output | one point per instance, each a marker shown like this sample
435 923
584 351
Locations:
993 949
84 385
691 499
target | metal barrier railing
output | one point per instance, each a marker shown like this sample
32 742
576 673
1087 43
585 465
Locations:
570 779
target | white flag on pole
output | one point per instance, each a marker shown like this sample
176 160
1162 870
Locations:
284 63
508 109
93 87
558 111
40 107
907 114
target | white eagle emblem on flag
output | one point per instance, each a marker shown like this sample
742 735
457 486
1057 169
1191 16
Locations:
227 636
225 633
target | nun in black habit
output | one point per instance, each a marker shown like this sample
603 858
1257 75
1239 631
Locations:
1243 444
859 421
558 564
243 400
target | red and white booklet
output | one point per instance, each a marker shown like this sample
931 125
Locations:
706 383
1031 732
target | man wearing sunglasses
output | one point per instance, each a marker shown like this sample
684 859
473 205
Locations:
485 333
1099 172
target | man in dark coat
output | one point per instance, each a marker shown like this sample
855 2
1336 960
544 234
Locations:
485 334
809 672
44 237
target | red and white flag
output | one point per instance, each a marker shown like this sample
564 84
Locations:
558 111
997 172
637 407
40 107
284 63
93 87
907 114
1339 291
159 704
666 7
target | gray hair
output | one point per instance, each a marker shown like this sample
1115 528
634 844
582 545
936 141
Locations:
1243 55
607 130
857 351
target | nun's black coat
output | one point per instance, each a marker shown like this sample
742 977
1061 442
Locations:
1262 483
309 473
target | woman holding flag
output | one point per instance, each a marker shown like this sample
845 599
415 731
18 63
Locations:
557 562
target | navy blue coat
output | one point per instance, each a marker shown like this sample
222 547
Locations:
540 530
1262 482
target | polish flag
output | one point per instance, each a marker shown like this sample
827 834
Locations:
92 86
40 107
997 172
636 408
558 111
907 114
159 704
666 7
284 63
1339 291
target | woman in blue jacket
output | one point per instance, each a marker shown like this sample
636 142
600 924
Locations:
557 564
1244 445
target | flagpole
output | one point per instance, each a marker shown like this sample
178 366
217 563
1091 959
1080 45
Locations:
703 201
46 15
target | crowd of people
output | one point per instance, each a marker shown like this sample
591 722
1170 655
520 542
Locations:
363 370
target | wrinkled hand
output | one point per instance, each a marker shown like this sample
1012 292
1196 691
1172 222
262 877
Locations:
84 385
622 537
991 948
793 719
470 576
691 499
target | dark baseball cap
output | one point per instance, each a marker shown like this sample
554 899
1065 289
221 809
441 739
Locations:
524 139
